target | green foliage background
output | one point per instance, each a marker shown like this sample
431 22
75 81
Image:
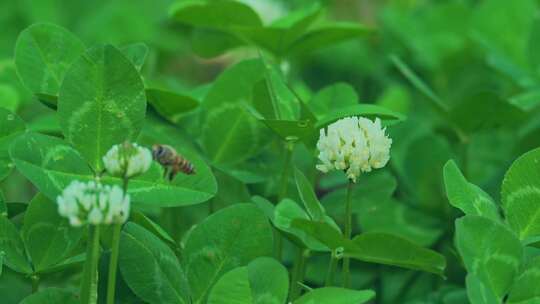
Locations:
456 82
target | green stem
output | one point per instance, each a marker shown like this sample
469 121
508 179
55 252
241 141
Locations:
347 234
298 273
330 274
113 263
35 283
115 249
284 183
90 274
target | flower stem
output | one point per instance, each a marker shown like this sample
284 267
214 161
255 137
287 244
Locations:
113 263
115 249
35 283
299 271
347 233
332 265
90 274
284 183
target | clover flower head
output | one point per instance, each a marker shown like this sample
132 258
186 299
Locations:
127 160
93 203
354 145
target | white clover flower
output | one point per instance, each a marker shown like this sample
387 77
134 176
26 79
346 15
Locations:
93 203
354 145
127 159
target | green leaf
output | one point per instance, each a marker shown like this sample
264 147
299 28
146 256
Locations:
326 35
74 262
209 43
142 220
383 248
283 217
47 124
250 172
263 280
51 295
51 165
43 54
526 101
13 92
336 295
338 95
14 287
484 110
418 83
48 237
227 239
502 63
365 110
308 196
12 247
265 206
220 15
525 288
467 197
3 207
298 21
323 232
521 195
534 46
48 162
512 17
230 133
376 247
101 103
293 130
10 97
400 219
272 98
377 186
422 179
150 267
170 105
280 35
136 53
477 291
11 126
489 251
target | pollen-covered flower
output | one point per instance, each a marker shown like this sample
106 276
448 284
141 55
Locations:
93 203
354 145
127 160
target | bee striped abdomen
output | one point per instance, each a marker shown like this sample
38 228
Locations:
185 166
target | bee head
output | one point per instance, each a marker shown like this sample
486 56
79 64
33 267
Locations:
158 151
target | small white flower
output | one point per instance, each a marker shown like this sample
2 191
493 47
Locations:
95 217
354 145
93 203
119 206
127 159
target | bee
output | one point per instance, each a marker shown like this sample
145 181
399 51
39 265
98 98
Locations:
172 161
